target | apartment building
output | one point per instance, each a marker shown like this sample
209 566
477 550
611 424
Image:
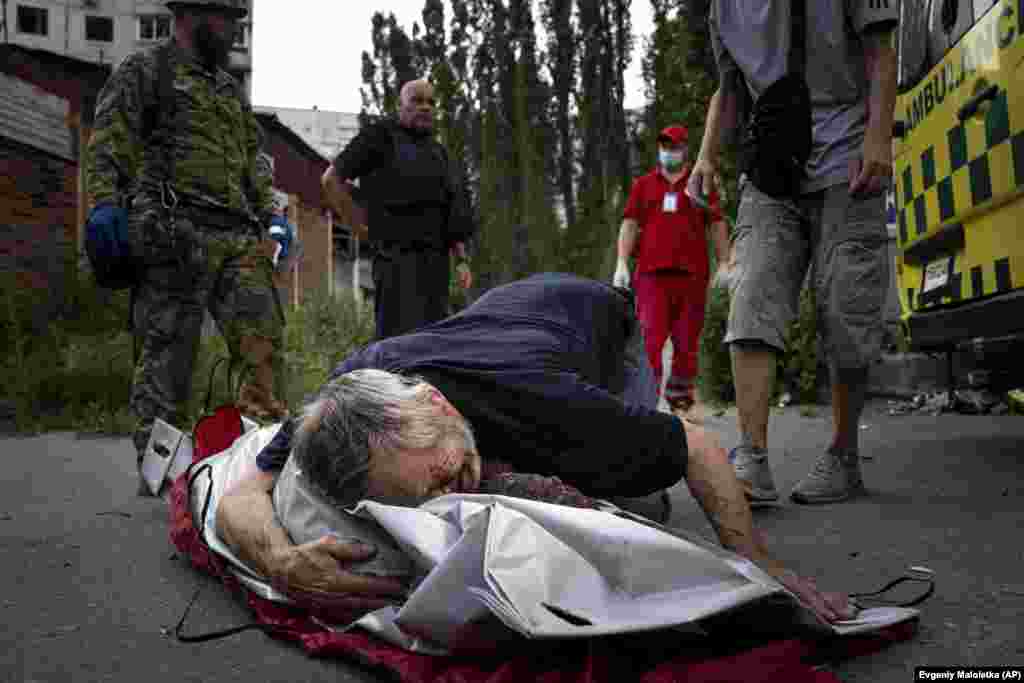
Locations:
104 31
325 131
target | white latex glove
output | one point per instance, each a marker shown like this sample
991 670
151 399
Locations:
621 277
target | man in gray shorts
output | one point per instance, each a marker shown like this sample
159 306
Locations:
835 226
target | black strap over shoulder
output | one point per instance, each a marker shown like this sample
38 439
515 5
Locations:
160 106
159 116
166 120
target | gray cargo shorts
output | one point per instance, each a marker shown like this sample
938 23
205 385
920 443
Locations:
843 241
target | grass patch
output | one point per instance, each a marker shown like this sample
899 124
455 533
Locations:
320 334
714 379
67 364
74 372
796 369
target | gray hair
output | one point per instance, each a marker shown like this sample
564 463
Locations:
362 413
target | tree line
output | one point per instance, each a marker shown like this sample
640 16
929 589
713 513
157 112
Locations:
531 101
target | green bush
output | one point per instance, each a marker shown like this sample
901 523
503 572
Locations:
797 369
85 377
65 362
76 372
715 379
211 350
319 335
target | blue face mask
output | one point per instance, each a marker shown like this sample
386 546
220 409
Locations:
671 160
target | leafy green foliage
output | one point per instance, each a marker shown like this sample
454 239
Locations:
319 335
715 380
64 358
74 371
540 132
798 367
797 370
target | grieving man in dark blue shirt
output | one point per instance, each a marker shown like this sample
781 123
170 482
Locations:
541 369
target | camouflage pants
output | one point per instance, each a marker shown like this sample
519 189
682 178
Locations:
229 274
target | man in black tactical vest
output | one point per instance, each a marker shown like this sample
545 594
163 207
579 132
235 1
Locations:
418 211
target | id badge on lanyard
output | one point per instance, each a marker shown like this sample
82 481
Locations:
671 202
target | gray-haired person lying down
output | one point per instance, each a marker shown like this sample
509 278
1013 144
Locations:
540 375
375 435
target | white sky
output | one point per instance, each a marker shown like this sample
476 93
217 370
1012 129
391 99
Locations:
308 52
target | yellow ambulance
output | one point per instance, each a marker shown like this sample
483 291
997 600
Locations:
959 171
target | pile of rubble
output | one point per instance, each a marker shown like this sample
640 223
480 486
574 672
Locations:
964 401
978 399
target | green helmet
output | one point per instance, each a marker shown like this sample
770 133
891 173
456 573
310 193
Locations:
239 7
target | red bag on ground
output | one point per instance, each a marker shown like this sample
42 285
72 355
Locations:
213 433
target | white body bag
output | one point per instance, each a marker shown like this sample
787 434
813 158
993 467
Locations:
505 566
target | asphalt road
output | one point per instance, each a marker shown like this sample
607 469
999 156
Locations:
91 586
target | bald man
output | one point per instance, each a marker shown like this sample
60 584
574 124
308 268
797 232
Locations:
418 211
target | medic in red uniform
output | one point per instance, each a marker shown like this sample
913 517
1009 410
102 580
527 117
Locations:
667 234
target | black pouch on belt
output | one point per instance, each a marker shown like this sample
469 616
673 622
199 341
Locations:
777 140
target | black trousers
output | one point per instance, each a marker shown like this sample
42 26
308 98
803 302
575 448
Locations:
411 289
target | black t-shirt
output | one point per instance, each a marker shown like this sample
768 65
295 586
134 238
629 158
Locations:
413 194
534 366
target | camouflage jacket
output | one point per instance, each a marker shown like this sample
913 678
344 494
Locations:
214 137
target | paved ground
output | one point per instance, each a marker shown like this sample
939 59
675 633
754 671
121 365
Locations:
91 585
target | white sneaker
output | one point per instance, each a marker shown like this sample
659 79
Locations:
833 479
755 474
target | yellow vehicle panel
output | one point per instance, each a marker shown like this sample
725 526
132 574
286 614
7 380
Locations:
959 171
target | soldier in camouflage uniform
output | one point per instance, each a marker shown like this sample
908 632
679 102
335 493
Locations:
198 236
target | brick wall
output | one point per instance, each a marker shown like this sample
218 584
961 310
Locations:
76 81
40 215
37 219
297 172
314 271
315 268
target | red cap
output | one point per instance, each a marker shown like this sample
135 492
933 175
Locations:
674 135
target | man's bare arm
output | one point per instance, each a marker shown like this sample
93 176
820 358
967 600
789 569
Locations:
881 66
338 197
462 269
720 237
313 572
874 168
713 482
627 238
720 121
246 522
719 125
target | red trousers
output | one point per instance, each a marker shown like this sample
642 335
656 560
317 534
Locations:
671 303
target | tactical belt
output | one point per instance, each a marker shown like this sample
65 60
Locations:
219 220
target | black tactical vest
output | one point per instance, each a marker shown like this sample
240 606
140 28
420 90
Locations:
409 197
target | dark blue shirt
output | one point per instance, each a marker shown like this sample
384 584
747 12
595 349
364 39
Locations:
536 366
